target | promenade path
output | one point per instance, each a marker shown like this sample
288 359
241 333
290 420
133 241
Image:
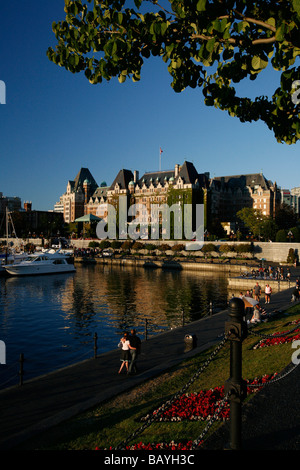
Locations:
50 399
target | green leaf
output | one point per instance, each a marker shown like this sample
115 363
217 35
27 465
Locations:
258 63
280 32
296 6
157 28
164 27
114 48
120 18
201 5
271 22
122 78
220 25
176 63
210 44
74 9
242 25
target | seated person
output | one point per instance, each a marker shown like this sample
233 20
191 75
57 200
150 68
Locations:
256 315
295 295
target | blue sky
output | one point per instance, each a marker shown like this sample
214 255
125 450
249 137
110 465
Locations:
54 122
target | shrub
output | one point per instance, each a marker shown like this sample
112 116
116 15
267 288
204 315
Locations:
291 256
244 248
93 244
281 236
126 245
138 246
150 246
178 247
208 247
226 248
164 247
115 244
104 244
296 234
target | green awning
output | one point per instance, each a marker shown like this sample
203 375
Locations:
88 218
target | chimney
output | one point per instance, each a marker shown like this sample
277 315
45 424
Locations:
176 170
135 176
27 206
86 188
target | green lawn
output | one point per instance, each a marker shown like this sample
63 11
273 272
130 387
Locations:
110 423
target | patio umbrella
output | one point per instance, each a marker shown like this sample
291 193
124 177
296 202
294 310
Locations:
88 218
249 302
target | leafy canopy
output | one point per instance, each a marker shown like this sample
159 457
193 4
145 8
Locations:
260 225
212 44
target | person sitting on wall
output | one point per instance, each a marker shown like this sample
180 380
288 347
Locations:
256 315
295 295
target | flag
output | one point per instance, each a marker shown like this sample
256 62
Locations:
160 150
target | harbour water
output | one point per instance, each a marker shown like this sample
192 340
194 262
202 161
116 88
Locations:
52 319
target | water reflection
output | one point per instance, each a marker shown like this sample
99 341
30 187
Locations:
52 319
129 296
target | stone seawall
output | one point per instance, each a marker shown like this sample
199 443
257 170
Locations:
269 251
151 263
241 284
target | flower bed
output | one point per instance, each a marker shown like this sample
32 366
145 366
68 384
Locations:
194 406
277 339
161 446
203 405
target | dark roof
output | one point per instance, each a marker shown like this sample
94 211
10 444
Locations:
187 172
123 178
156 177
82 175
241 181
101 191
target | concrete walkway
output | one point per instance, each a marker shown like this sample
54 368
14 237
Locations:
48 400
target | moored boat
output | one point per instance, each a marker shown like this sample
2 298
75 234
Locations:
42 263
12 258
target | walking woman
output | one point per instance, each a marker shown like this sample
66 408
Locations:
268 292
125 353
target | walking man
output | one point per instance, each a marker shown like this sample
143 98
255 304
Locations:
257 291
135 349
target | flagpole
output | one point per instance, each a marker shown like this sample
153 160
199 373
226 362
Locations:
159 160
160 152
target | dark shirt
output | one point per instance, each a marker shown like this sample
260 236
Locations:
135 342
257 289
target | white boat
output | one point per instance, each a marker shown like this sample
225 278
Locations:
42 263
12 258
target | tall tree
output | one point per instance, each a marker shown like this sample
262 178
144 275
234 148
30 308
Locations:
212 44
285 217
260 225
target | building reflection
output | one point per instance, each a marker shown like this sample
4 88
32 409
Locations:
127 297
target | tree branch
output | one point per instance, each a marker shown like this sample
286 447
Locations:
234 41
254 21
